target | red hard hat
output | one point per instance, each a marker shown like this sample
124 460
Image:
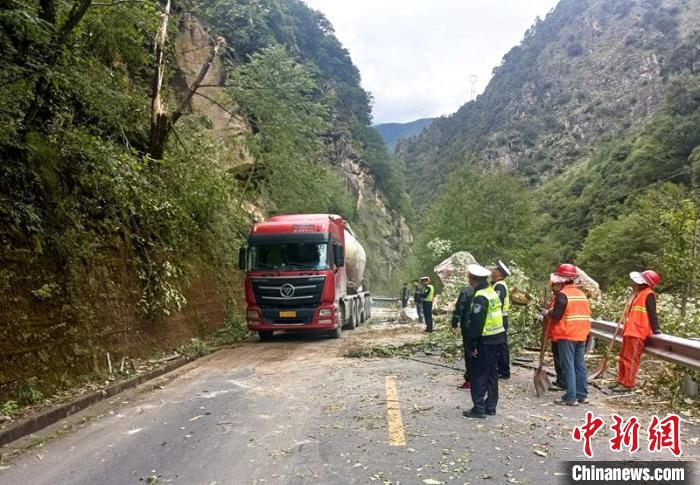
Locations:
566 270
652 277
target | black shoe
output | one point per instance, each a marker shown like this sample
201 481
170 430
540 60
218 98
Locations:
563 402
473 414
583 401
555 388
491 412
504 377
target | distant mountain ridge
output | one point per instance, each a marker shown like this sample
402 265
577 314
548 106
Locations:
393 132
591 72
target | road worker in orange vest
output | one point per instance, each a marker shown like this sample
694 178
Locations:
640 322
570 317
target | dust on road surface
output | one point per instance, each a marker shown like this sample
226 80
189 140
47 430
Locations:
296 411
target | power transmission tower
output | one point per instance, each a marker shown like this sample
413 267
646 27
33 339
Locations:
472 82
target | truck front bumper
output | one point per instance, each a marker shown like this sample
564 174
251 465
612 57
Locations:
261 320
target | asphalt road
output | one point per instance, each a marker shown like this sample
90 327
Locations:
296 411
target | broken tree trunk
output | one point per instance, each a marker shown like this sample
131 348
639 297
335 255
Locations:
162 122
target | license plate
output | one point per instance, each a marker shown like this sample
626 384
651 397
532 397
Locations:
288 314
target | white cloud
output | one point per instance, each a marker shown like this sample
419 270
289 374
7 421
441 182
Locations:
416 56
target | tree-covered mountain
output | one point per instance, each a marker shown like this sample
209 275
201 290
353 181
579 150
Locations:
586 142
130 175
583 76
393 132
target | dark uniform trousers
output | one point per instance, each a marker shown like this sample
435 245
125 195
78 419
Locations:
468 359
485 378
428 315
504 355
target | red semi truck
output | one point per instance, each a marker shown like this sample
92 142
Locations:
304 272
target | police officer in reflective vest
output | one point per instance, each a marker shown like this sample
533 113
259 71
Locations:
460 318
498 276
486 336
640 322
428 297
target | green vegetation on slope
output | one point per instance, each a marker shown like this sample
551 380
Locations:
107 248
600 118
585 75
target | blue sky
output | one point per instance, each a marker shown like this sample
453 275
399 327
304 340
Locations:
416 56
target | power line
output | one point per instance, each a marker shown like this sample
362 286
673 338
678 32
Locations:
638 189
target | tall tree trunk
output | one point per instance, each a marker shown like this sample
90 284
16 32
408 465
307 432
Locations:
159 118
162 122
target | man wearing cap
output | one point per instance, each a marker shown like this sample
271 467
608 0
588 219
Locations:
428 296
485 336
640 322
460 317
418 299
570 318
498 276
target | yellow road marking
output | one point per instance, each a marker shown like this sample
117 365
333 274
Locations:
393 413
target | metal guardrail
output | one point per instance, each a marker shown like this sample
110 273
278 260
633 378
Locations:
384 302
681 351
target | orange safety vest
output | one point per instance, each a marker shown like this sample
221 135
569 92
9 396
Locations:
575 324
637 323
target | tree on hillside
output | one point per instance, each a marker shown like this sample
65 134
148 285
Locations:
656 230
486 214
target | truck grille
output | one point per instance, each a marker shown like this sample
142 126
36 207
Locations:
288 291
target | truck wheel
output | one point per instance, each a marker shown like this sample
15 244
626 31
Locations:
355 315
344 320
265 335
335 333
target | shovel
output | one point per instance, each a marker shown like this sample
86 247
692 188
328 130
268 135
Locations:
604 365
541 379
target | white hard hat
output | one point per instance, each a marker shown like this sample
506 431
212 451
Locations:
638 278
478 270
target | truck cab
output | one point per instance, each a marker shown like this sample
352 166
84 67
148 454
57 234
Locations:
296 276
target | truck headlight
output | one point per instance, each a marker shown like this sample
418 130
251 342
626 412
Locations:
325 312
252 315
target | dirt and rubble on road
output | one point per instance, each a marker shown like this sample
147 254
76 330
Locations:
295 410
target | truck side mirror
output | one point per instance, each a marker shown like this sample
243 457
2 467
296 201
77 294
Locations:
339 256
241 259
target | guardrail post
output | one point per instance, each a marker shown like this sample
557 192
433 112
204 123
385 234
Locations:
689 386
590 344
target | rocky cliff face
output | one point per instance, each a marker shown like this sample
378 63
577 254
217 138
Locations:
591 70
192 48
384 233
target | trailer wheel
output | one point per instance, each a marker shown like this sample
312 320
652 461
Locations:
265 335
354 318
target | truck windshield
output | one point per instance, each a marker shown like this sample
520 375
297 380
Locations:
288 256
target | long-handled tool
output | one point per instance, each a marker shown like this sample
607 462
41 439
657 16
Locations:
604 365
541 379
